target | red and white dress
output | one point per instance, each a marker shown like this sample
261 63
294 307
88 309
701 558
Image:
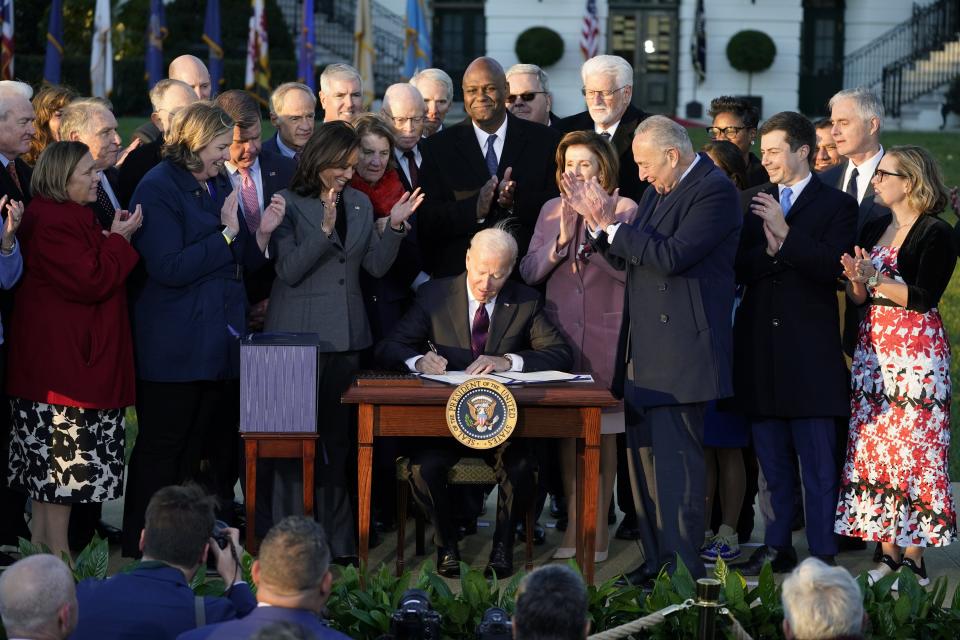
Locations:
895 486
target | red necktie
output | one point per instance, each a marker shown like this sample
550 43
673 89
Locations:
413 169
478 334
12 170
251 203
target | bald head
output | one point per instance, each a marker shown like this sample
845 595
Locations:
191 70
485 93
167 97
38 598
404 109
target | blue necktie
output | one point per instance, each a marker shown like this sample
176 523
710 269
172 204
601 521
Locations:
785 200
491 156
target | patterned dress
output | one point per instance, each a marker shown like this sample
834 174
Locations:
895 486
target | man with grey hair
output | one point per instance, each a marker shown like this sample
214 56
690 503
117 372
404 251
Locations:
341 92
675 351
608 90
528 94
436 87
403 109
38 599
508 331
91 122
293 112
822 603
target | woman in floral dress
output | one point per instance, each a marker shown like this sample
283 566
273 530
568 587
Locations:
895 488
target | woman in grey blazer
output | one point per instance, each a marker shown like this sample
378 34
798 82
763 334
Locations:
327 236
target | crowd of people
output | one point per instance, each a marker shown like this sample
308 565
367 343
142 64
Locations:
765 309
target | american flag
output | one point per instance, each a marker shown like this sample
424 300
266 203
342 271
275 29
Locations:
257 78
6 40
590 34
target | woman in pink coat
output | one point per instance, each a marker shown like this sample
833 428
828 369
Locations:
584 297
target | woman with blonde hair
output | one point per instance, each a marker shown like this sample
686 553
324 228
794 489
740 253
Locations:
48 104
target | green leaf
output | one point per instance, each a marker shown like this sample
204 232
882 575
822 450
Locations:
767 587
682 581
27 548
901 610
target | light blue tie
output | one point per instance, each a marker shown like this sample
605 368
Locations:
491 156
785 200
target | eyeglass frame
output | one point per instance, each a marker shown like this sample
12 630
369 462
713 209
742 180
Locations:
723 131
880 174
591 94
400 122
512 97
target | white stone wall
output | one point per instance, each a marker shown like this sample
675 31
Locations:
865 20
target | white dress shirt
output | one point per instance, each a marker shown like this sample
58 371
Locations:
482 136
611 130
108 190
864 174
236 178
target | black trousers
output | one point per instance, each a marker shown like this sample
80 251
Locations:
12 524
174 419
513 464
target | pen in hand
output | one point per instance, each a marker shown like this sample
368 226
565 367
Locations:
433 348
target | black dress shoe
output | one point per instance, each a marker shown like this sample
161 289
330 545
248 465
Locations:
642 577
448 562
501 561
539 534
627 531
558 507
846 543
781 561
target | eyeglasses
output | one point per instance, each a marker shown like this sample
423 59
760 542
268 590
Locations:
726 132
530 96
402 122
880 174
591 94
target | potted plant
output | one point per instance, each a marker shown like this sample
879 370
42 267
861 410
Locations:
751 52
540 46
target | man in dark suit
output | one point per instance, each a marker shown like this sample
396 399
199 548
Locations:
675 352
529 96
293 110
167 97
608 89
492 167
155 594
16 132
293 583
91 122
479 324
789 373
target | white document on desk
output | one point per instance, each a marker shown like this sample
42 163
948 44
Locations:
459 377
539 377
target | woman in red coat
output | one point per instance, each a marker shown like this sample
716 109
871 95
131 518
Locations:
71 354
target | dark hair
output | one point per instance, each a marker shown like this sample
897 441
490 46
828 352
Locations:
331 145
798 129
823 123
605 152
729 158
294 556
748 113
178 523
551 605
47 101
240 106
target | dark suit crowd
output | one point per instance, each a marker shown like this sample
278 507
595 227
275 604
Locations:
746 310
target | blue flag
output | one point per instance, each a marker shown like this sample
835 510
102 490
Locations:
51 66
211 37
308 41
417 40
156 32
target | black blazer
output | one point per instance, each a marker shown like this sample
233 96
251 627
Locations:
276 171
678 255
631 186
756 174
9 188
440 314
105 214
870 209
271 146
135 166
453 171
788 360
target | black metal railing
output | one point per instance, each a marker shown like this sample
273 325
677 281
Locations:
887 63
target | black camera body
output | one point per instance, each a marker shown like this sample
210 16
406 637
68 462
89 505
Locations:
219 534
495 625
415 619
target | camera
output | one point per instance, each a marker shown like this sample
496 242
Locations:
415 619
219 534
494 625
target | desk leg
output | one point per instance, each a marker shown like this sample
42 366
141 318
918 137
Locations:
309 451
364 479
250 456
588 472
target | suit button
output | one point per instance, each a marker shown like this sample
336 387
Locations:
341 280
634 260
662 287
664 318
776 322
373 298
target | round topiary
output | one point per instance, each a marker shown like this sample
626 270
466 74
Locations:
540 46
751 51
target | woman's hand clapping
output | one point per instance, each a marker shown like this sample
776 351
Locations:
405 207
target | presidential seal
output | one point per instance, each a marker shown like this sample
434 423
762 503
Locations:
481 413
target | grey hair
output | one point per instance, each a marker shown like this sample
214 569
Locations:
280 93
394 91
437 75
868 104
10 89
338 70
497 240
606 64
160 89
532 69
664 133
32 590
77 116
821 601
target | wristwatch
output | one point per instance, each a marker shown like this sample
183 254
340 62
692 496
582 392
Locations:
873 281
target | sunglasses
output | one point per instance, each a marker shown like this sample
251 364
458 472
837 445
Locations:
880 174
530 96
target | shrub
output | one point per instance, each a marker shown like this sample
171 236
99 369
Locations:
540 46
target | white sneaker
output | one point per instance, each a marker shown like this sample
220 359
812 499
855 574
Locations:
887 566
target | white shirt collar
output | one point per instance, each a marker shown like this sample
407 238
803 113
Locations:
5 160
796 189
254 168
482 136
696 159
284 149
864 173
612 129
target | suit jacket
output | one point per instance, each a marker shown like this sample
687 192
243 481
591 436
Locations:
261 617
276 171
453 171
193 293
870 209
151 602
788 359
440 314
105 215
756 174
631 186
317 289
9 189
679 255
147 132
271 146
135 166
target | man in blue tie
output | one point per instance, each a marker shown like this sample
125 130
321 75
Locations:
789 372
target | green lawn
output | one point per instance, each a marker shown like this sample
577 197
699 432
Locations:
943 145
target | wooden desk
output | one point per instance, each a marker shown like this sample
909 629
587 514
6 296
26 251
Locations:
569 410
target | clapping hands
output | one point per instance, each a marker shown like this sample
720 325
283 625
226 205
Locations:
405 207
589 199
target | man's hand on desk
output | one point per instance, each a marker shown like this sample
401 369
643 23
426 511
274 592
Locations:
432 363
488 364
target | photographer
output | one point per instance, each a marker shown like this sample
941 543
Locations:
551 603
154 600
